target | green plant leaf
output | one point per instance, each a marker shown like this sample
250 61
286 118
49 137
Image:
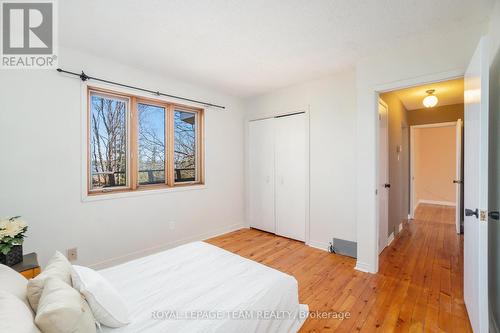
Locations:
5 250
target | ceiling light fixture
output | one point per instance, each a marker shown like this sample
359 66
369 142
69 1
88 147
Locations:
430 100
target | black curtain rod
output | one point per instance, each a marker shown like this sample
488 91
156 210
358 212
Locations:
85 77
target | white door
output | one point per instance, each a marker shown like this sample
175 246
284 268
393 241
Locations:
291 176
476 87
494 188
458 176
261 174
383 186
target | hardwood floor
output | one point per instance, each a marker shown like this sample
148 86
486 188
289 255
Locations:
419 286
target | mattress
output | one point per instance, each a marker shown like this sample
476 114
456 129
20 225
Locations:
199 287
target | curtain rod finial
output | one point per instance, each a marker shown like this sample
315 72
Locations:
84 76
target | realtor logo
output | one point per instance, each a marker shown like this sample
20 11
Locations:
28 34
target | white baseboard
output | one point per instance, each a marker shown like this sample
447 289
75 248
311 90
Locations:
318 245
400 227
390 238
142 253
363 267
436 202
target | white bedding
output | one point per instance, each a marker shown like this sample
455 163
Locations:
204 281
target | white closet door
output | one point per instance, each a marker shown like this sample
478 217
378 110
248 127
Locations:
261 174
291 169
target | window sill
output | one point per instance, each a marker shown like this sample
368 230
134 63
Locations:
150 190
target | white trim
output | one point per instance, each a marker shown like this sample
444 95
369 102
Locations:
381 101
419 81
318 245
413 205
400 227
267 115
433 125
140 193
277 113
155 249
84 177
436 202
458 174
375 91
390 238
307 175
363 267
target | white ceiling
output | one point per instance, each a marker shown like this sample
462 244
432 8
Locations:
248 47
448 93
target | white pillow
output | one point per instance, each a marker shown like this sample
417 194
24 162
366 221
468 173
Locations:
13 282
62 309
15 315
106 303
58 267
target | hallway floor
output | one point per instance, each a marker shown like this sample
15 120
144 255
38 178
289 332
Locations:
419 286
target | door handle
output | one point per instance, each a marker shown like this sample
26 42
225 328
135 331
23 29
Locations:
470 212
458 182
387 185
494 215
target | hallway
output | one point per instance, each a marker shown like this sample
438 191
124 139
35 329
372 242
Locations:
427 262
419 286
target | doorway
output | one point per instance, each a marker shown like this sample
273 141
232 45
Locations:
439 129
436 161
473 244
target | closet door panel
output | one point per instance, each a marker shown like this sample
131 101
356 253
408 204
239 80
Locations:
290 176
261 175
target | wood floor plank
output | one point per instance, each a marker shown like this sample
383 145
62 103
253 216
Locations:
419 286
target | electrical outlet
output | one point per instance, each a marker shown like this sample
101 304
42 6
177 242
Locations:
171 225
73 254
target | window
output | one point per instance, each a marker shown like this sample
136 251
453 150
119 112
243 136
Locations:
185 146
108 141
136 143
151 144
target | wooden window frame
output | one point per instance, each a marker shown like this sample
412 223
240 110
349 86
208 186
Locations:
199 174
133 143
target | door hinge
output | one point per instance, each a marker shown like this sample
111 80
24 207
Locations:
483 215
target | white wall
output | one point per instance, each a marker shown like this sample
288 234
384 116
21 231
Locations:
41 158
332 105
415 61
344 132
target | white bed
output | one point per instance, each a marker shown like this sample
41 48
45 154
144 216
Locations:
202 280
